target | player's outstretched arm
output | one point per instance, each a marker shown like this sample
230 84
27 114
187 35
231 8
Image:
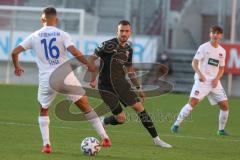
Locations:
76 53
197 70
92 60
16 51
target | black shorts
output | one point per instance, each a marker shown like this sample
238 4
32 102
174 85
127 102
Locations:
121 93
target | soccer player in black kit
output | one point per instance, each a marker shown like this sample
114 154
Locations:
116 61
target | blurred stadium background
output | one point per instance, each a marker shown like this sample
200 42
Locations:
171 29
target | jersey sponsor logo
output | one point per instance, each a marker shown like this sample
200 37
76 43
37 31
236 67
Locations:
196 93
53 62
213 62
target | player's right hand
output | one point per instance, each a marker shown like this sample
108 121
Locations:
93 83
18 71
202 78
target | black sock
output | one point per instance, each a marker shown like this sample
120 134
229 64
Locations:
111 120
147 123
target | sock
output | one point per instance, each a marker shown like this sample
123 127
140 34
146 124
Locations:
93 118
111 120
223 117
147 123
44 128
185 111
156 139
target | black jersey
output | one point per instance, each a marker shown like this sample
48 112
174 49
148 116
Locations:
114 59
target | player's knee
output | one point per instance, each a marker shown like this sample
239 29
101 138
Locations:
138 107
224 108
223 105
43 111
193 102
121 118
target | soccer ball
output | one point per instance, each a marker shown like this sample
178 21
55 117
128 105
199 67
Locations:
90 146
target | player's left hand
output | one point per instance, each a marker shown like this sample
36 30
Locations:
18 71
215 83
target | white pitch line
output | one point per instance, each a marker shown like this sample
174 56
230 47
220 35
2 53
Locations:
165 135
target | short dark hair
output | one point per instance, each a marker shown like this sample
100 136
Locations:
49 11
217 29
124 23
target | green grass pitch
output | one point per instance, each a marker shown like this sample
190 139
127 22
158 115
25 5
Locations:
197 140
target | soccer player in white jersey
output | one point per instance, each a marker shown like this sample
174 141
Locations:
51 45
208 64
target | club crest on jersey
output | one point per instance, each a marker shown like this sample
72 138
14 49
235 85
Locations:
220 55
196 93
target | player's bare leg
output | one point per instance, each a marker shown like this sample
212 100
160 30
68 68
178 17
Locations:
93 118
184 113
44 121
148 124
223 117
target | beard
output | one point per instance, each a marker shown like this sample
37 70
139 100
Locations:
123 39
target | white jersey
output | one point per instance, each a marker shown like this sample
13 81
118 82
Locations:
210 59
50 45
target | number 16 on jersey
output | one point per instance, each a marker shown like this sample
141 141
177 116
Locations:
51 51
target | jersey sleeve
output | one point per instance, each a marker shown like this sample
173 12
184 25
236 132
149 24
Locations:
222 58
200 53
67 40
99 50
27 43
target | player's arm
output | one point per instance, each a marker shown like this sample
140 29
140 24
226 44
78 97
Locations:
133 77
98 53
131 71
76 53
16 51
220 71
197 70
218 77
92 60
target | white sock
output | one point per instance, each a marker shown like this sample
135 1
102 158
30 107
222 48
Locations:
223 117
93 118
185 111
156 138
160 142
44 128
